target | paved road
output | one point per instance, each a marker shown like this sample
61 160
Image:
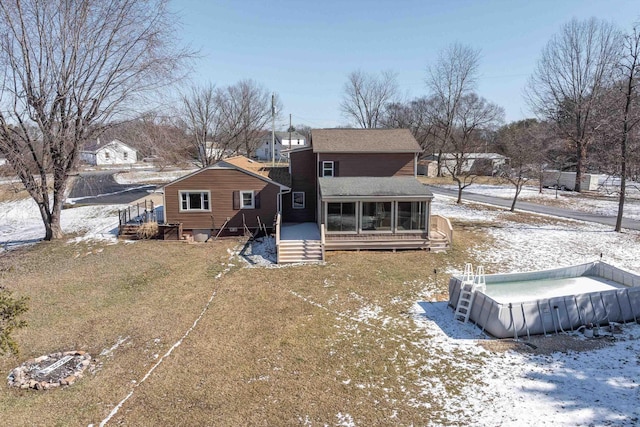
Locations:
537 208
101 188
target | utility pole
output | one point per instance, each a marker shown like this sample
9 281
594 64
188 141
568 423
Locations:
289 131
273 129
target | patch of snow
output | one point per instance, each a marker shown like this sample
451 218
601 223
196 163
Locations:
597 387
20 223
154 176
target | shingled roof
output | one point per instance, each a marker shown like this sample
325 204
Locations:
364 141
279 174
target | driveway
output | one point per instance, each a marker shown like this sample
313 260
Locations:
101 188
537 208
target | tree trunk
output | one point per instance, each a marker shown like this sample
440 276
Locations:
515 198
580 155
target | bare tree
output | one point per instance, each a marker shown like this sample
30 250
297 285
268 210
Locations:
67 67
452 77
226 120
475 116
255 112
415 116
576 66
523 143
304 130
201 116
629 68
366 95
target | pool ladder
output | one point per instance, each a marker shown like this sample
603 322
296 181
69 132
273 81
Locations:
470 284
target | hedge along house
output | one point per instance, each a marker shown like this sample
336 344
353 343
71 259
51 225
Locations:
228 198
359 186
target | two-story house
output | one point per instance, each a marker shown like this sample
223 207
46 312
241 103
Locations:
283 141
349 189
359 186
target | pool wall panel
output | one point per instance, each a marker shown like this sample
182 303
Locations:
555 314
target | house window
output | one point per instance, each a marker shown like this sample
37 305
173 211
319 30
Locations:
194 201
376 216
327 168
298 200
247 200
341 216
125 155
106 155
411 216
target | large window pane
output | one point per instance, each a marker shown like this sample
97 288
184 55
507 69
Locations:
376 216
411 215
195 201
341 216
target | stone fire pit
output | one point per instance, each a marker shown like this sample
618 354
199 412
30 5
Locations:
50 371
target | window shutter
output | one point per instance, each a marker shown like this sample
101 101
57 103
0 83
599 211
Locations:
320 169
256 200
236 200
335 168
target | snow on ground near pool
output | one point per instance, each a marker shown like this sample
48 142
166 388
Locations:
597 387
142 176
20 222
608 205
525 247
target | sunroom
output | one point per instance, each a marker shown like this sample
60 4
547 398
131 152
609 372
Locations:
374 212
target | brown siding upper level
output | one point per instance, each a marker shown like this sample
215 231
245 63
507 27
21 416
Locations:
371 164
303 178
221 183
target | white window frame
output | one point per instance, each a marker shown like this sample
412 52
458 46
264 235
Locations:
182 193
293 200
331 167
253 199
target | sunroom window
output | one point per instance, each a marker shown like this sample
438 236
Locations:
376 216
341 216
411 216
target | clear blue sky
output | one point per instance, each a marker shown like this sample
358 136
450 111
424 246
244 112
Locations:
304 50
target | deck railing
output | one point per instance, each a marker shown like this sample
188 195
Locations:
443 225
139 213
322 239
277 228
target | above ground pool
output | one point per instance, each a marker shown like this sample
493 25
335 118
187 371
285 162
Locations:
548 301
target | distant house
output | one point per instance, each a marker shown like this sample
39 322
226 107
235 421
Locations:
283 141
115 152
228 198
485 164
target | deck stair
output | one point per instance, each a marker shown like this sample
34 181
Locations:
467 290
291 251
129 232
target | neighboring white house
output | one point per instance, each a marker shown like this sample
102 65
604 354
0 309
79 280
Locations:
212 151
282 142
111 153
476 163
